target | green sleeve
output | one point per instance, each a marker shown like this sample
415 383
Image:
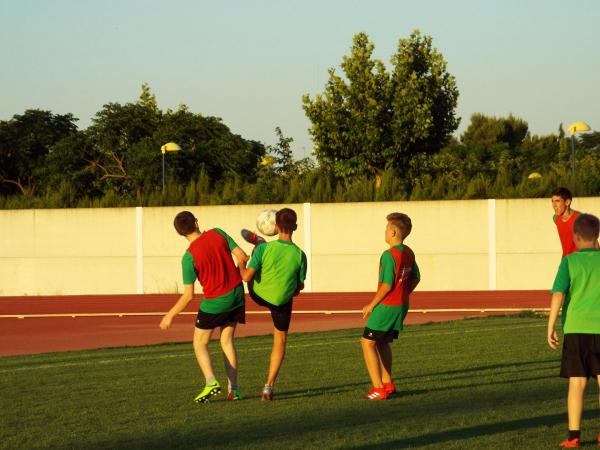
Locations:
387 272
256 259
188 269
302 272
562 280
554 219
230 242
416 272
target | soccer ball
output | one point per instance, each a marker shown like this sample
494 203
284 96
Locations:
265 222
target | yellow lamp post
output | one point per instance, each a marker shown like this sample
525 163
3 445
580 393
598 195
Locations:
576 127
168 147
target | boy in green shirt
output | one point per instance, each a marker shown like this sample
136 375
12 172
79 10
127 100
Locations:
398 277
577 289
275 275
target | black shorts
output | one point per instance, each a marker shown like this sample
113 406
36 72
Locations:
580 355
209 321
380 336
281 314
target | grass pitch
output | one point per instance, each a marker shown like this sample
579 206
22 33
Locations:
485 383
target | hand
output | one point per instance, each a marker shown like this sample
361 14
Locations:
552 339
367 309
165 323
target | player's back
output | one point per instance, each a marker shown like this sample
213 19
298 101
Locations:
280 265
214 265
583 298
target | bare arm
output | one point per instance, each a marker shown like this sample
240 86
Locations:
239 255
383 290
184 299
555 305
246 273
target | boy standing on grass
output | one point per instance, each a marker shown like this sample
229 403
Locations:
577 289
209 259
564 218
398 277
275 275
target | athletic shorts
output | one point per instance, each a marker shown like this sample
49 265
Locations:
380 336
387 318
209 321
580 355
280 314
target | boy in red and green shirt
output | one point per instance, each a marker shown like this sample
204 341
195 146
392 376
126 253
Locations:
564 218
398 277
209 259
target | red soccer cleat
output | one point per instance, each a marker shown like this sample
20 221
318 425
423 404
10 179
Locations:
390 389
570 443
252 238
377 394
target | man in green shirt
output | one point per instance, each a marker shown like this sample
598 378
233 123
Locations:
577 289
275 274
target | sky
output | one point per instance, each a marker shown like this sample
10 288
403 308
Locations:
249 62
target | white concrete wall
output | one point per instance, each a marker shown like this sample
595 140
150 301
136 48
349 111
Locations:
460 245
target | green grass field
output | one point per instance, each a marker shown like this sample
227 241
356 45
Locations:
485 383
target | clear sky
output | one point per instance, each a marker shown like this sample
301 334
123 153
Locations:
250 61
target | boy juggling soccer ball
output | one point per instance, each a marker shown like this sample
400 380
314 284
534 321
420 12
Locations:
275 275
209 258
577 289
398 277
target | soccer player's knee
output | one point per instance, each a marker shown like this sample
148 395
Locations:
367 342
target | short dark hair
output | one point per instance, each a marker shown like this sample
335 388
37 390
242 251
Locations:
563 193
286 220
400 221
185 223
587 226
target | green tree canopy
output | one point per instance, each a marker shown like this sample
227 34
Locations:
25 140
488 130
370 119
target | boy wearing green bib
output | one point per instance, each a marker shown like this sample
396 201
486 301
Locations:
275 275
577 289
398 277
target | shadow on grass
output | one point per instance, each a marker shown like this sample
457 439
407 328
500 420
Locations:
473 369
290 424
511 426
314 392
447 388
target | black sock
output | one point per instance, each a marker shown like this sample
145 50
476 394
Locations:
574 434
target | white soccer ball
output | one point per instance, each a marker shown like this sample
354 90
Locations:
265 222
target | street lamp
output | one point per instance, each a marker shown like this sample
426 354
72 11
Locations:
576 127
168 147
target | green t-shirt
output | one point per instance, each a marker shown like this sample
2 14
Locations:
280 267
224 303
578 277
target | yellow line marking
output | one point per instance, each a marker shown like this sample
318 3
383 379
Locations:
326 312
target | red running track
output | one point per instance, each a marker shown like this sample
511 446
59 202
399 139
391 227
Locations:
28 335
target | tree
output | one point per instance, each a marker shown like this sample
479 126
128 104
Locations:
423 99
126 140
349 118
489 130
371 120
25 140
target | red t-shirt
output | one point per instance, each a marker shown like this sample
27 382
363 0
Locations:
214 265
565 233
